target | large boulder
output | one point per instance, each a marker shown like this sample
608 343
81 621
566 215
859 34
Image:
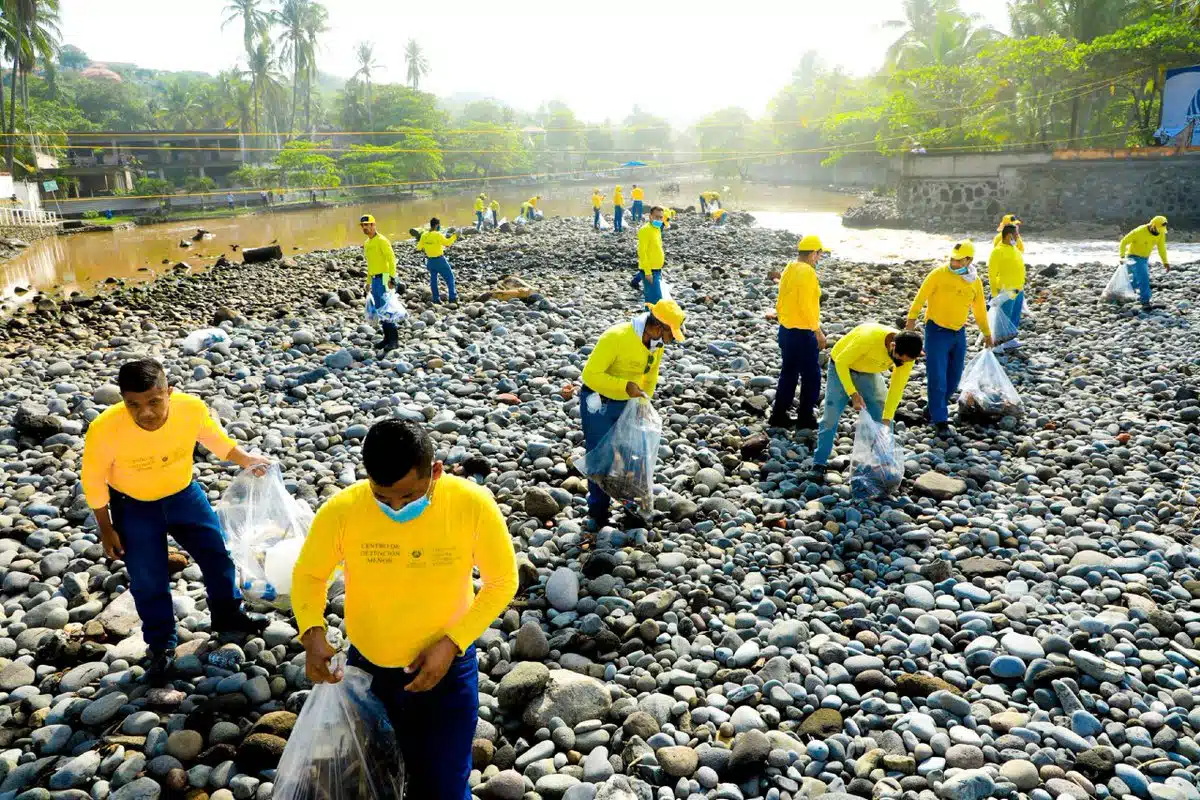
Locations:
571 697
522 683
35 421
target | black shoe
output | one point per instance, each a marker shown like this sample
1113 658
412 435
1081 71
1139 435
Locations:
161 663
633 520
942 428
808 423
817 474
241 622
781 421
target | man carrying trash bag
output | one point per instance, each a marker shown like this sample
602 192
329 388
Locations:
381 269
623 365
952 291
651 257
434 243
856 365
1138 244
408 539
1006 276
137 479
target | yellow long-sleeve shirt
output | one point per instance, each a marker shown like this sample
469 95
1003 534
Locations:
710 196
495 206
147 465
533 202
434 243
864 349
618 358
650 249
408 583
1141 242
597 200
798 304
1006 269
950 299
381 259
999 239
479 204
638 193
618 198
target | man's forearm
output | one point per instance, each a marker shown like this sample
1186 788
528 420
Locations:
103 517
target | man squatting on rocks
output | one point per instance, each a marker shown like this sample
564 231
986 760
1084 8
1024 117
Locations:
434 243
381 269
408 538
1138 244
623 365
137 478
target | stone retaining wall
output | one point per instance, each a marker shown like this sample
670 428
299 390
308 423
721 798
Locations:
28 233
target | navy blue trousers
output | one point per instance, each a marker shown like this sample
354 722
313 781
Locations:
945 356
594 428
800 365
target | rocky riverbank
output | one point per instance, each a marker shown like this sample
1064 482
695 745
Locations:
1022 620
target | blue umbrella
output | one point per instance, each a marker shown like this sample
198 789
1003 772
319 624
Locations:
633 164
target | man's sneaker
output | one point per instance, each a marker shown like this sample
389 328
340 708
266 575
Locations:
943 428
781 421
241 622
817 473
161 662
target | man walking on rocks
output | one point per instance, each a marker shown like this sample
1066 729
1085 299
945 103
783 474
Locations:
798 308
952 291
1138 244
623 365
381 269
494 207
1005 221
638 195
434 243
408 538
856 365
597 202
651 257
618 210
480 205
1006 274
137 479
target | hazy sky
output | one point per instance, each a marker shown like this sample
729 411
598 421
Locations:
677 59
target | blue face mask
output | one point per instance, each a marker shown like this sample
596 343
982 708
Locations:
656 223
409 511
961 270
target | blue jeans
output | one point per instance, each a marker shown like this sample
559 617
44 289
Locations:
143 526
435 728
1139 274
703 206
618 213
439 266
596 218
1012 309
652 287
478 220
799 350
637 210
636 281
378 291
869 385
945 355
595 426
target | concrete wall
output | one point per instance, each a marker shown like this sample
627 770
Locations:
868 170
967 165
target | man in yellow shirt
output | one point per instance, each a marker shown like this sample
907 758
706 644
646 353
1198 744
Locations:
952 291
798 308
434 243
624 364
637 194
720 216
408 539
651 257
1006 275
381 268
1005 221
494 207
137 479
618 210
709 200
480 205
856 365
597 201
1138 244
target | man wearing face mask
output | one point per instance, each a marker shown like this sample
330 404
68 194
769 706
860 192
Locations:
651 256
952 292
1006 275
408 538
1138 244
623 365
798 308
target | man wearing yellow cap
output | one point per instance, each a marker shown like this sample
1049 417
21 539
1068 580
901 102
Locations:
434 243
1006 276
709 199
1005 221
720 216
952 291
1138 244
651 256
479 206
381 268
637 194
494 207
798 307
623 365
597 201
618 210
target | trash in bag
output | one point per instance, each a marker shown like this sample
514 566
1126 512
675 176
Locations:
538 215
264 529
1120 287
986 393
604 223
392 310
623 463
201 340
1001 324
664 287
877 460
342 746
521 221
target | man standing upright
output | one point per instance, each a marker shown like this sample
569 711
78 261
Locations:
637 194
1138 244
408 538
597 202
381 270
1006 276
798 308
137 479
434 243
480 205
651 256
618 210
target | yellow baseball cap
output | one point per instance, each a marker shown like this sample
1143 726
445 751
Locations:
618 187
365 218
1007 219
810 242
670 314
964 249
1159 222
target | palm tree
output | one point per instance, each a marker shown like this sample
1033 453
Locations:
303 22
266 84
1080 20
937 33
35 37
316 22
256 21
418 66
365 52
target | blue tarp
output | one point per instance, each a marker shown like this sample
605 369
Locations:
633 164
1181 103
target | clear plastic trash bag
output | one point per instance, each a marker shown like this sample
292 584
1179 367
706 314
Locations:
342 747
538 215
264 530
623 463
877 460
985 392
1120 286
521 221
1001 324
201 340
392 309
604 223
